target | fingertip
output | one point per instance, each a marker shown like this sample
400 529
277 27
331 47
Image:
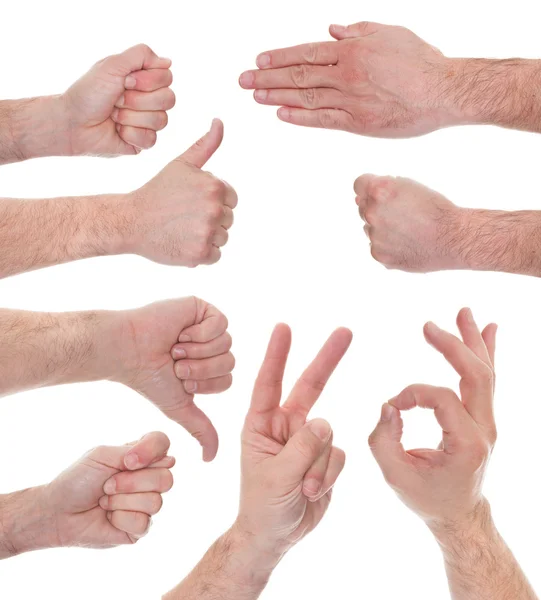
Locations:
104 502
284 114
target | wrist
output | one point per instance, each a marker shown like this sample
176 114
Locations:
25 523
39 127
254 561
481 91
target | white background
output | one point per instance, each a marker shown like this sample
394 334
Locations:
297 254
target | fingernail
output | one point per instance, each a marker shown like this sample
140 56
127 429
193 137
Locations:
182 370
283 113
311 487
190 386
104 502
109 487
321 428
469 315
131 461
338 28
184 338
165 58
179 353
130 82
120 101
247 79
114 114
263 60
386 412
261 95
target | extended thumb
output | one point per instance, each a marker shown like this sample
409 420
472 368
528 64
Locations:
205 147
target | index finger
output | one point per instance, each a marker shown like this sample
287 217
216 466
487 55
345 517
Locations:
312 382
477 383
268 386
321 53
214 324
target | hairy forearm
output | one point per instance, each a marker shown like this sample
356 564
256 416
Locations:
33 128
41 233
495 240
478 562
43 349
493 92
24 525
233 569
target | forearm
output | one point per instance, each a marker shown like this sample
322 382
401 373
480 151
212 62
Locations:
33 128
41 233
478 562
494 240
43 349
493 92
231 570
24 526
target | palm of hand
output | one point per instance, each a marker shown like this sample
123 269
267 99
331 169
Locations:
264 438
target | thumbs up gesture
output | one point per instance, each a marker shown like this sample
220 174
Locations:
182 216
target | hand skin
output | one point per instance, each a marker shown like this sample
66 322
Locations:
181 217
105 499
384 81
414 228
116 108
289 467
167 351
445 486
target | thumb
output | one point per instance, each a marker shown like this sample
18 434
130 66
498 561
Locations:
205 147
303 449
341 32
385 441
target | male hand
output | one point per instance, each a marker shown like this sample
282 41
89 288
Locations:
105 499
173 350
411 227
182 216
375 80
289 466
444 486
120 104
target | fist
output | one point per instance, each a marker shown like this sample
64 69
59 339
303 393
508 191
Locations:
182 216
107 498
410 227
173 350
374 80
120 104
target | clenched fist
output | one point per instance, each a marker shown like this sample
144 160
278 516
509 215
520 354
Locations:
411 227
182 216
375 80
105 499
120 104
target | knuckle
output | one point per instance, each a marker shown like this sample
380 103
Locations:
478 452
309 98
161 120
215 210
216 189
168 99
228 342
310 53
144 48
300 75
383 188
329 119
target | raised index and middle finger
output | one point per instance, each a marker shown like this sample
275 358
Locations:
312 382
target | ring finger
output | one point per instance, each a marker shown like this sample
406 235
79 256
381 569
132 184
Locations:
149 503
206 368
155 119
